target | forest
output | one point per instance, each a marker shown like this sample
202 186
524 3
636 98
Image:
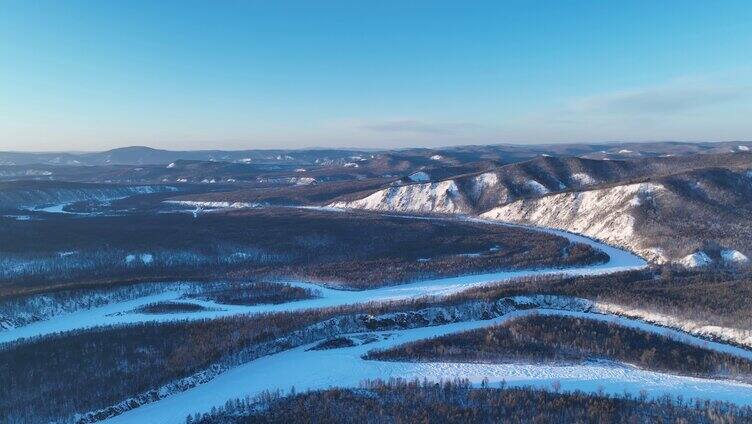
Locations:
399 401
543 338
255 293
714 296
65 252
125 361
122 362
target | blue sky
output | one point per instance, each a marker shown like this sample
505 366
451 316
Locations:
91 75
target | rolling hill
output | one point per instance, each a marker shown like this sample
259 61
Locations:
667 210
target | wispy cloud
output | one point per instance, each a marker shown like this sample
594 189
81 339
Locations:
711 107
420 127
671 98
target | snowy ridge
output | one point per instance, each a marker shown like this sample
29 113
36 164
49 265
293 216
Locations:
483 182
734 256
495 187
605 214
696 260
438 197
583 179
665 218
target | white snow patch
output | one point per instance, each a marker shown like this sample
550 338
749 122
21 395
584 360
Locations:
18 217
482 182
655 254
537 187
696 260
436 197
171 165
214 205
305 181
437 157
145 258
583 179
743 148
734 256
624 151
419 177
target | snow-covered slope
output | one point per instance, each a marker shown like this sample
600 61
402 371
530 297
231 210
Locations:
695 219
479 191
498 186
665 209
437 197
605 214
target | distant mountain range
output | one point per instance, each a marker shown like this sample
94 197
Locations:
503 153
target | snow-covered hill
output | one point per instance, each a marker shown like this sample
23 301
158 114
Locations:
438 197
605 214
695 211
696 219
480 191
476 192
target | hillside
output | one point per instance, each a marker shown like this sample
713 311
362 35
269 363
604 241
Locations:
666 209
674 218
478 192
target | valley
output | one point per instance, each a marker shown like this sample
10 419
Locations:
390 212
185 297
